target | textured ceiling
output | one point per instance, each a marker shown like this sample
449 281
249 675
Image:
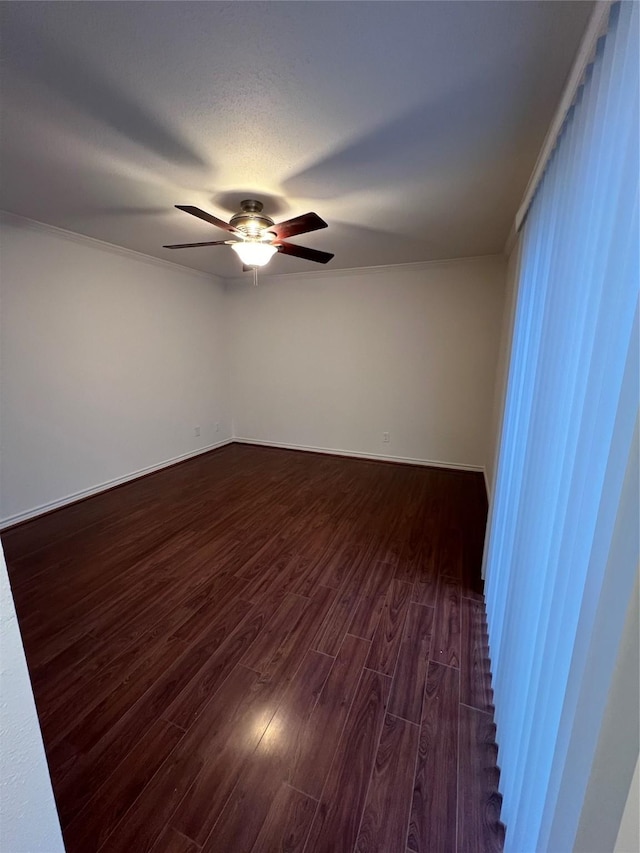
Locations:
412 128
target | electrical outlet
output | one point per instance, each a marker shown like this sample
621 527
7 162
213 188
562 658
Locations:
196 431
385 437
217 427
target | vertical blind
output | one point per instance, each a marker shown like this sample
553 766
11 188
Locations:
570 411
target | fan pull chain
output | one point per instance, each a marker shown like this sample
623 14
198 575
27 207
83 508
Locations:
255 276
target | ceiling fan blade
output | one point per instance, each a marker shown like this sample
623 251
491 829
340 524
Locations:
303 252
194 245
212 220
300 225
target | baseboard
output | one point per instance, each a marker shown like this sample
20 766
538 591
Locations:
19 517
26 515
375 457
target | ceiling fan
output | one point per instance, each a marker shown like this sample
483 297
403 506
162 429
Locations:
258 236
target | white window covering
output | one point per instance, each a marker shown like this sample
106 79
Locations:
567 437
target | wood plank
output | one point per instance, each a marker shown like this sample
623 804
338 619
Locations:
188 704
340 616
337 821
426 580
78 774
304 575
193 785
433 813
386 812
371 604
479 827
342 557
407 691
288 822
248 807
272 557
388 636
111 667
266 644
53 677
302 636
119 791
209 793
140 827
445 647
320 739
412 555
120 601
133 609
101 717
299 579
450 557
171 841
322 550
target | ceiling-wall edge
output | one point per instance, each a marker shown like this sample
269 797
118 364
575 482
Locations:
75 237
415 266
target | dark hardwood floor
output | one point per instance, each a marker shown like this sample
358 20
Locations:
265 650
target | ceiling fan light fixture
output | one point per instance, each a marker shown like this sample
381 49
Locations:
257 236
254 254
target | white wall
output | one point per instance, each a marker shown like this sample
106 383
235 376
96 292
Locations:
109 361
28 818
334 359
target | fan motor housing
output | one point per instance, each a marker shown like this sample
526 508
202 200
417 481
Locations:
251 220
